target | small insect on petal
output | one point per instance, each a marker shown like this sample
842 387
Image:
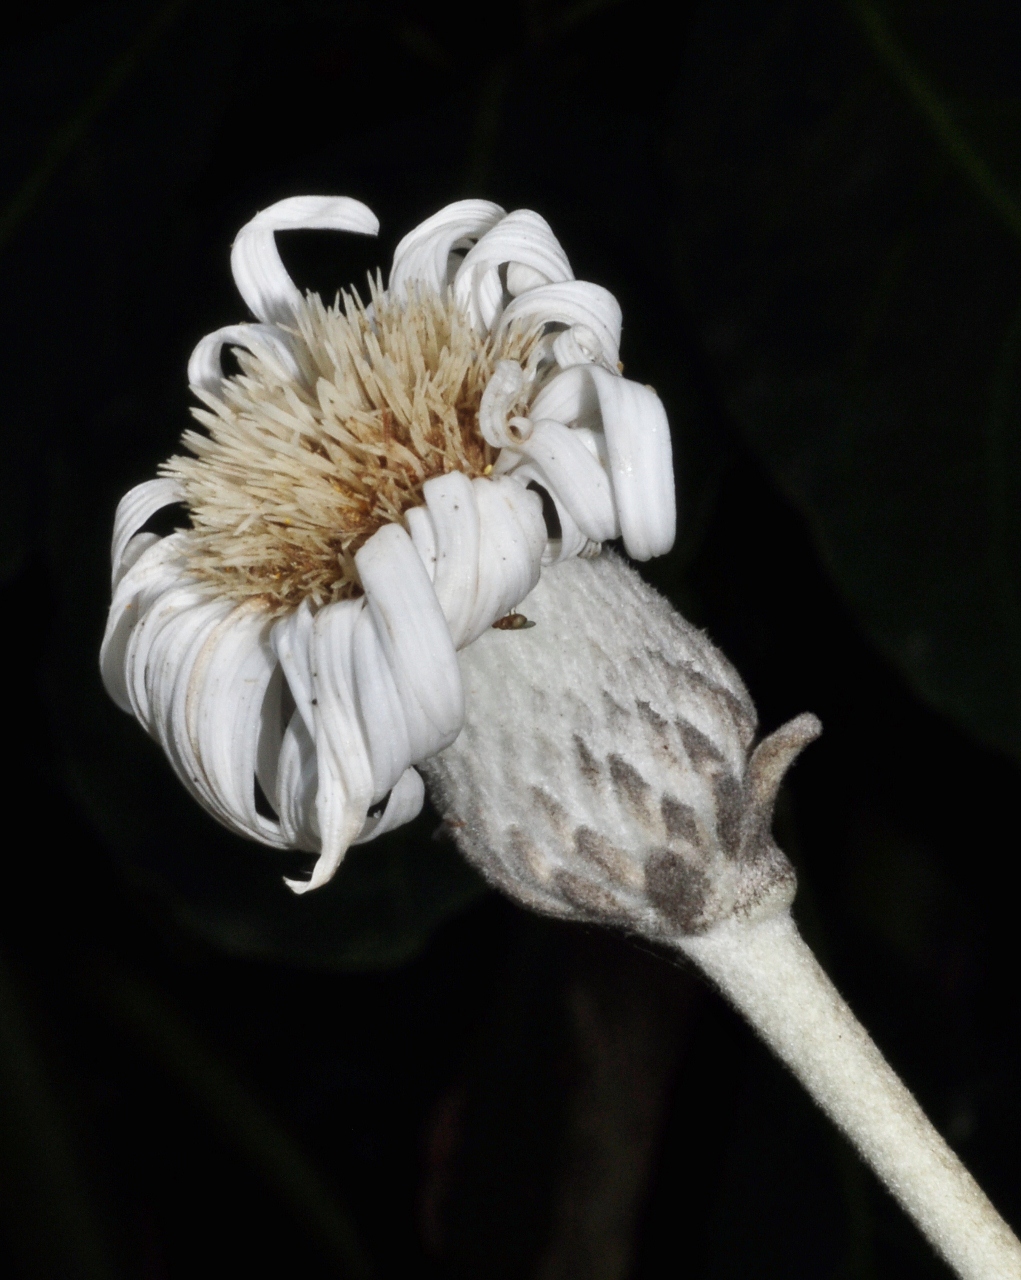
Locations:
513 622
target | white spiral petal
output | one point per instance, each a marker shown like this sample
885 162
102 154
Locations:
405 803
155 571
291 638
379 704
423 535
455 515
577 345
512 537
344 790
575 476
571 398
154 606
525 243
259 274
297 785
156 648
423 257
572 542
226 692
641 463
205 368
134 509
415 638
502 391
521 278
570 303
172 655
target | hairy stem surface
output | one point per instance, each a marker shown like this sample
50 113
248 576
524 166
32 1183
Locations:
768 972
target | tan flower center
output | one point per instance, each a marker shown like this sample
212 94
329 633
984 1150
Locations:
294 476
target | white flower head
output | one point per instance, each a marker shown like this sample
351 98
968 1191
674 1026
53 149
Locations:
378 485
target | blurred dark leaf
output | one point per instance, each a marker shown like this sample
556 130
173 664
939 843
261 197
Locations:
849 238
897 889
73 129
238 1112
569 1080
52 1228
13 504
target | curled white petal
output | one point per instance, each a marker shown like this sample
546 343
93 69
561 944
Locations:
451 503
415 638
259 274
521 277
641 463
572 541
502 390
344 790
423 535
163 648
381 711
297 786
525 238
133 510
159 614
165 666
223 709
512 538
423 257
197 672
570 397
570 303
483 299
271 736
205 368
540 361
577 345
595 443
405 803
525 243
138 545
291 638
575 475
155 572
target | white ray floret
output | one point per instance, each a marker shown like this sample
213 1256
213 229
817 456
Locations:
366 498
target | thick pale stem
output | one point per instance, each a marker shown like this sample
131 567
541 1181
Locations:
767 971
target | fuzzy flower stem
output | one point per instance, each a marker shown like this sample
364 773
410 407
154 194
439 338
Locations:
610 771
768 973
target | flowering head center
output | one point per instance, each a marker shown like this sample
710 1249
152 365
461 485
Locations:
294 473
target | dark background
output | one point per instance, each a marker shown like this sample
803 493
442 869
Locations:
811 214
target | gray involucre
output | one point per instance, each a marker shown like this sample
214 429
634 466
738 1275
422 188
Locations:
634 798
